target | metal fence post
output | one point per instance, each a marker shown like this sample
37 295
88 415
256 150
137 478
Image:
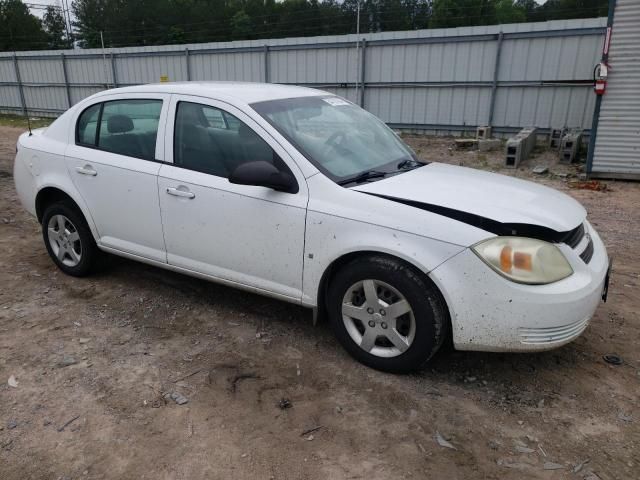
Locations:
494 86
19 79
186 59
266 63
66 79
362 72
113 71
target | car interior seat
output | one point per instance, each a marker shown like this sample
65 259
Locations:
121 140
194 147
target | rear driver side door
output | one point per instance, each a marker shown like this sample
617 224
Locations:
247 235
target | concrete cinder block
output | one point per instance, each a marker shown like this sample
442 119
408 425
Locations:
570 146
489 144
513 152
520 147
555 137
483 133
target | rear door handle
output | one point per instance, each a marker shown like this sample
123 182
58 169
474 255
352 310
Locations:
86 170
179 192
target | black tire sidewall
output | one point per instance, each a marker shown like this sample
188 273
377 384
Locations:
89 248
425 300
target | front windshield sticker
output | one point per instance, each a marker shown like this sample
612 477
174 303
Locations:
336 101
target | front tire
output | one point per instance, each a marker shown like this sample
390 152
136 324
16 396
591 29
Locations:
386 314
68 239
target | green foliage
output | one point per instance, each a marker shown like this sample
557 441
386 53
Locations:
563 9
456 13
55 27
240 25
157 22
19 30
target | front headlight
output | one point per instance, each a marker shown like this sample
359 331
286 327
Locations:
524 260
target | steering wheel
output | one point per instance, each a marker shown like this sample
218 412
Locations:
333 141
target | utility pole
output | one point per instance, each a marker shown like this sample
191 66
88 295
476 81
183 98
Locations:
357 50
104 60
66 14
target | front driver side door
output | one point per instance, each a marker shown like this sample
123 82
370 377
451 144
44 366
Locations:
247 235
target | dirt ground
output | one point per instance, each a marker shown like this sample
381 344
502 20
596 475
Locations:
93 357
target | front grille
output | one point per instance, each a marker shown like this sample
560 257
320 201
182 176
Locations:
574 237
587 254
552 335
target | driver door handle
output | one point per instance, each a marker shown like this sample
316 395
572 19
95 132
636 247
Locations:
177 192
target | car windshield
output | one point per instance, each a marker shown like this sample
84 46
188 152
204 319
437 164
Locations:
345 142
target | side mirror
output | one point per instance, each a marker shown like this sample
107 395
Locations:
264 174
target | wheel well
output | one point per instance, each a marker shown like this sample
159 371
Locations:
47 196
345 259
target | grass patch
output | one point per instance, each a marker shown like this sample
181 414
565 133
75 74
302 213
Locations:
19 121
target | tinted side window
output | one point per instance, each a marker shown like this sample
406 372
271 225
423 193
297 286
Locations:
130 127
88 126
210 140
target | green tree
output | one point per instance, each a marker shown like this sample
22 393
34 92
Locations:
157 22
564 9
92 17
240 25
456 13
19 30
56 29
507 11
460 13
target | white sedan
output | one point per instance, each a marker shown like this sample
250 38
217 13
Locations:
301 195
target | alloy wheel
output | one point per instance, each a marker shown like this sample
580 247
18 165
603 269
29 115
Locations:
378 318
64 240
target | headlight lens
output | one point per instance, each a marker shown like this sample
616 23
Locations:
524 260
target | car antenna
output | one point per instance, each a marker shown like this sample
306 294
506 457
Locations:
28 122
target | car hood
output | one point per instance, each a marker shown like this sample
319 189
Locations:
465 193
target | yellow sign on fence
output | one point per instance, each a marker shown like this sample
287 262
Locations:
164 78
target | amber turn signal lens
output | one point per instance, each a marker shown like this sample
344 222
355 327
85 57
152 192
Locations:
522 261
505 259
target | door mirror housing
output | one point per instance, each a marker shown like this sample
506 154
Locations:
264 174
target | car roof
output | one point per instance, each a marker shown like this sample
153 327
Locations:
245 92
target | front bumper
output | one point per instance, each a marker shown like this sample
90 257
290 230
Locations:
491 313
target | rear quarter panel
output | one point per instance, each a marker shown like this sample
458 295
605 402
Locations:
40 163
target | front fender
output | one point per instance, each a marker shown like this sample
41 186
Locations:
328 238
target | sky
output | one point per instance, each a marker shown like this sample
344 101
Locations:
39 12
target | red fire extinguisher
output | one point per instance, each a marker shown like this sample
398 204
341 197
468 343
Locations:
600 74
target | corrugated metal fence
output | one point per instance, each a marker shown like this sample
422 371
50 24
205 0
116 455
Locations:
617 143
508 76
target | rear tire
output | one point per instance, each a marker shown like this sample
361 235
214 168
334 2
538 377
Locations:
386 314
69 240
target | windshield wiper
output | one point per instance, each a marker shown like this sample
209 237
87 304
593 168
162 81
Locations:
363 177
409 163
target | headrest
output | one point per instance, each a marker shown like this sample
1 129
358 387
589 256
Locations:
191 114
119 124
245 132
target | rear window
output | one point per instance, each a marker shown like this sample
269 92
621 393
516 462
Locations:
88 126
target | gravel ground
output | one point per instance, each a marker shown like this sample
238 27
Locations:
94 359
